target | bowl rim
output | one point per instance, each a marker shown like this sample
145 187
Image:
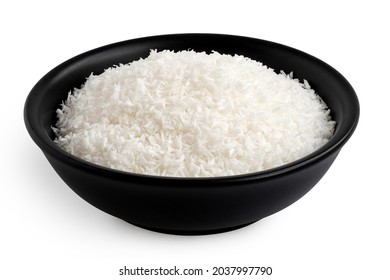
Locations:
50 148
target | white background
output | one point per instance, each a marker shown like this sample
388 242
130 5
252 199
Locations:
339 230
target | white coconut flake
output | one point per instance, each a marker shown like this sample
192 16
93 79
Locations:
190 114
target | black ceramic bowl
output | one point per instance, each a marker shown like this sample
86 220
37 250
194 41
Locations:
191 205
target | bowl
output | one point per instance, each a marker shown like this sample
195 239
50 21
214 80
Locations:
191 206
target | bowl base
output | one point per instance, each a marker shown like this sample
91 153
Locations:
192 232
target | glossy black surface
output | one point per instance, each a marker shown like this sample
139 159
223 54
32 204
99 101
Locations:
191 205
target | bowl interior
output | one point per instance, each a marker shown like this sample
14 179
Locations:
53 88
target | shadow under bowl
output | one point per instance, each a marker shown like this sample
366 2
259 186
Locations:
191 205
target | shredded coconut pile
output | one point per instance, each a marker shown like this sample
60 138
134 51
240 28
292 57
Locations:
190 114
